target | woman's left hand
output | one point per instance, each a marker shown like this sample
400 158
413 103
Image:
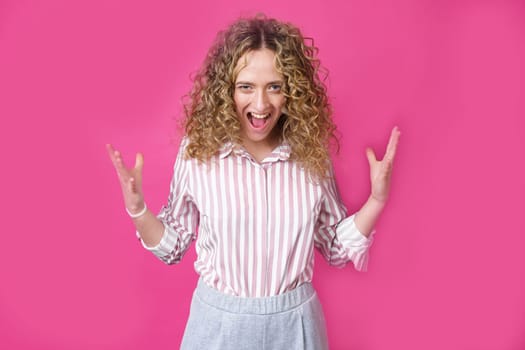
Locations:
381 170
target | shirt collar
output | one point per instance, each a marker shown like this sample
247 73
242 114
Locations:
281 152
225 150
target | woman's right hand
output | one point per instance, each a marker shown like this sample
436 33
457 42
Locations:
130 180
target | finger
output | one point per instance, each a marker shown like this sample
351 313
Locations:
118 163
139 162
111 152
370 155
115 155
392 144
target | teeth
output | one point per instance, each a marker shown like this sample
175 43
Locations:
259 116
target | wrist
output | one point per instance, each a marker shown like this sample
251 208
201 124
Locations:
137 212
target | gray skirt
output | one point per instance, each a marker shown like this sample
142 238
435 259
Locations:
292 321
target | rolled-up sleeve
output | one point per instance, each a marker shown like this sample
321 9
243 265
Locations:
337 237
179 215
350 244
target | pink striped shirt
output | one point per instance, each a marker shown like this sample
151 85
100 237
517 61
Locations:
257 222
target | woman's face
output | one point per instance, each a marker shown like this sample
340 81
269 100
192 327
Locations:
259 99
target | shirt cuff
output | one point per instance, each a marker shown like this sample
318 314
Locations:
356 244
163 248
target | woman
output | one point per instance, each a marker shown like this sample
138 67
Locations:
254 174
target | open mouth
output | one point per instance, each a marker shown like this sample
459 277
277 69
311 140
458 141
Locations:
258 121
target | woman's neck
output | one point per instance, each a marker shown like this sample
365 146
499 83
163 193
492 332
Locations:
260 150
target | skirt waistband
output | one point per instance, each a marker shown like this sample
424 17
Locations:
259 306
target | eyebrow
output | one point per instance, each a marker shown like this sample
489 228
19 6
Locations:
280 82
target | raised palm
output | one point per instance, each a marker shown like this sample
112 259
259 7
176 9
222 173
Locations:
381 170
130 179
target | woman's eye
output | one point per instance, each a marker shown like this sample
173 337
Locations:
275 87
243 87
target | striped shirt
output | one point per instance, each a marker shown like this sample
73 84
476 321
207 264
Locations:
257 223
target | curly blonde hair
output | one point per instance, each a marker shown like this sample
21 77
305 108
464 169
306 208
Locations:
307 126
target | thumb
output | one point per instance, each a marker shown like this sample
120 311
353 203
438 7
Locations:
370 155
139 162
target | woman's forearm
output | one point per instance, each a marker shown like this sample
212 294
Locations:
365 219
150 228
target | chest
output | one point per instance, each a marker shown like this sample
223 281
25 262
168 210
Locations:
237 195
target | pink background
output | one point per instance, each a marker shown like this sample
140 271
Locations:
446 270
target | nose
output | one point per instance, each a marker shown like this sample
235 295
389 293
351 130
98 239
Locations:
261 100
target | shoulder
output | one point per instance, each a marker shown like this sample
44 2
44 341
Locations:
183 146
182 159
